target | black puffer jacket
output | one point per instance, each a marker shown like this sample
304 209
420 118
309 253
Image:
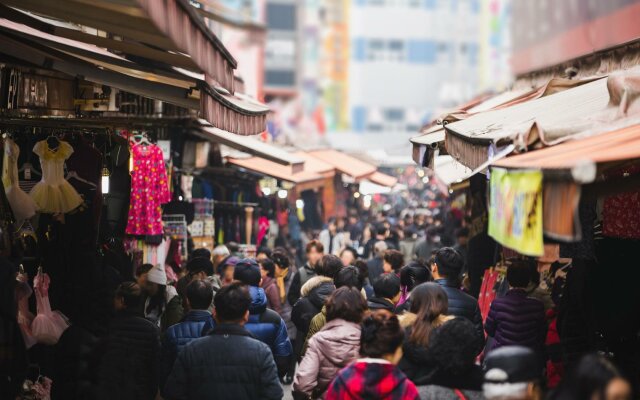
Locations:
463 305
226 364
129 366
74 365
377 303
415 362
313 295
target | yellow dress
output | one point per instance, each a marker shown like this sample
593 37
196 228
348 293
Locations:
53 194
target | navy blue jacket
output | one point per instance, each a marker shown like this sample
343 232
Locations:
267 326
463 305
228 363
194 325
516 319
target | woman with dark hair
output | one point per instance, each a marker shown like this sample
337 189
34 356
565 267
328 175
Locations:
283 275
594 378
364 272
452 350
411 275
428 311
268 283
335 346
392 261
375 376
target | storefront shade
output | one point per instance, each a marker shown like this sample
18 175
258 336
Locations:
515 210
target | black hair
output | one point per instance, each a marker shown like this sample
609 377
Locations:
247 271
269 266
381 230
200 294
200 264
232 302
362 267
387 286
394 258
130 293
350 250
453 347
264 250
346 303
414 274
314 244
349 276
143 269
519 274
158 301
328 266
281 257
381 334
428 301
449 263
462 232
590 376
201 252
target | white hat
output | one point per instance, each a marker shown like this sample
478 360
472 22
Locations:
157 274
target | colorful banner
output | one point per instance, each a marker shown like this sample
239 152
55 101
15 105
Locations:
515 210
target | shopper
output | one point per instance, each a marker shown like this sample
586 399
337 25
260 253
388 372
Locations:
428 311
375 265
375 376
515 319
225 269
427 246
392 261
220 252
314 294
446 271
348 255
335 346
284 272
386 290
269 285
228 363
411 275
462 239
196 323
408 243
162 304
314 251
129 355
331 238
381 233
364 273
594 377
199 268
512 373
452 350
264 323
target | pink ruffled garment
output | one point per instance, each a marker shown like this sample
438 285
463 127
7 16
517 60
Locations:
47 326
25 317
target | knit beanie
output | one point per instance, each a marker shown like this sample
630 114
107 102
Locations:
247 271
157 275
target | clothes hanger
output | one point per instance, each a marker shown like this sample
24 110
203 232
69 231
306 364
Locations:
74 175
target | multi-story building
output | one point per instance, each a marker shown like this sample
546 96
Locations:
282 65
409 59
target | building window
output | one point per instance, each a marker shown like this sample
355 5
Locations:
421 51
358 118
281 17
394 114
280 78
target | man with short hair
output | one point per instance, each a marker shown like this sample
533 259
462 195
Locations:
446 271
387 293
264 323
314 251
512 373
228 363
196 323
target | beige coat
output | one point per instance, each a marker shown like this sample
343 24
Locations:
330 350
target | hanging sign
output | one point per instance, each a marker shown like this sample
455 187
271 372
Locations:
515 210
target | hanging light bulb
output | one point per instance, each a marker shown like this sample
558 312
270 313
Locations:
282 193
105 180
299 203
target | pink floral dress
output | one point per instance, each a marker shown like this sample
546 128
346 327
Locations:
149 190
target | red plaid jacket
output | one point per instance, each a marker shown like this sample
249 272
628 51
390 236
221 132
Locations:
371 379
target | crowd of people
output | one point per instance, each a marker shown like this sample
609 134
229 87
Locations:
374 312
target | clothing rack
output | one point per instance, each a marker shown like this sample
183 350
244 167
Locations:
234 203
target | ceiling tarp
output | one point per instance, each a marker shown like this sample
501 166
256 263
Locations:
346 164
278 171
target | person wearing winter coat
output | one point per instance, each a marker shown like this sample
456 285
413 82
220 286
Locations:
515 319
129 364
446 270
313 296
452 352
411 275
196 323
386 290
228 363
428 311
162 305
334 347
375 375
332 240
264 323
314 252
269 285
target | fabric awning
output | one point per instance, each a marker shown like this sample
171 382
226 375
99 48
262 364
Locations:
250 145
580 156
315 165
278 171
346 164
382 179
233 113
449 171
592 106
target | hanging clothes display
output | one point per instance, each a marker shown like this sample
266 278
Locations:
53 194
149 190
22 205
25 317
47 326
